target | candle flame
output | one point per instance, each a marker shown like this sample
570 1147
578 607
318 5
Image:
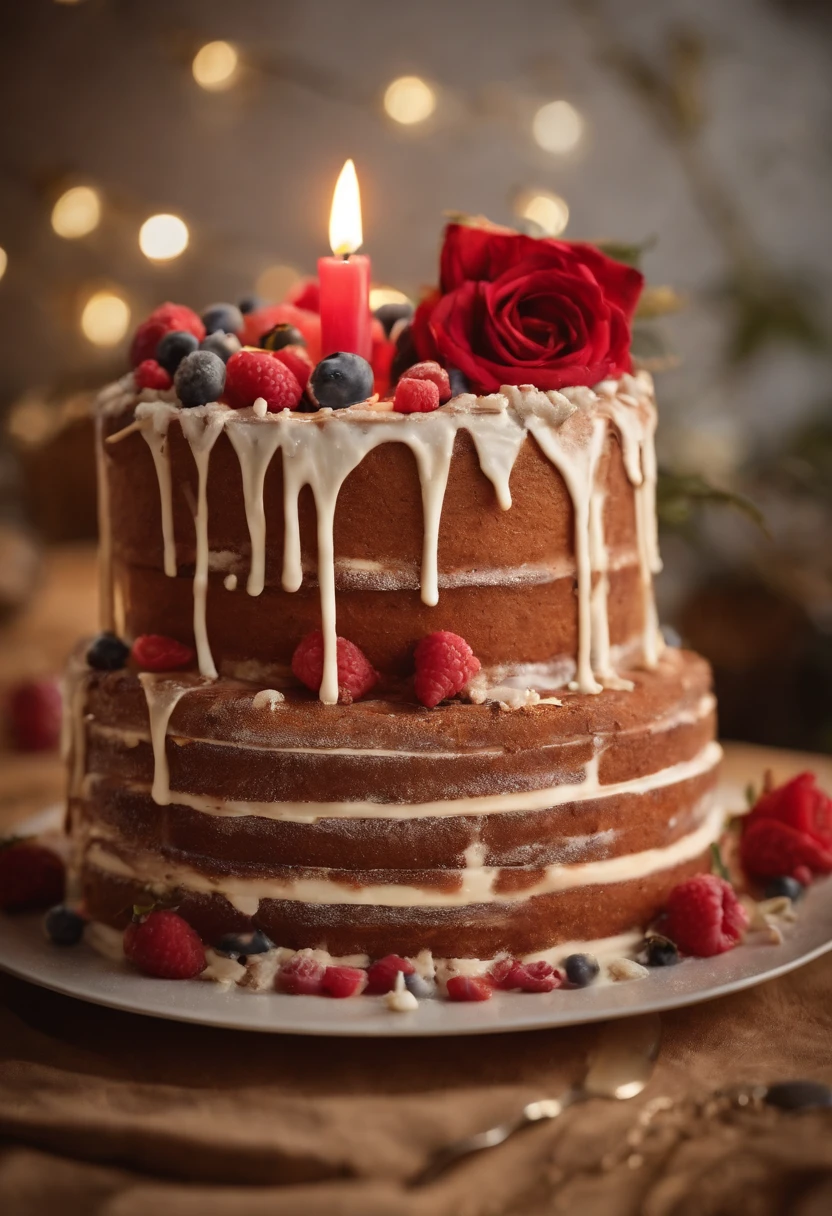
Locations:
345 234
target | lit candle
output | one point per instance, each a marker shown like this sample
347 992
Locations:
345 277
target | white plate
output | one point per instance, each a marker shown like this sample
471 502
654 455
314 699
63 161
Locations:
80 972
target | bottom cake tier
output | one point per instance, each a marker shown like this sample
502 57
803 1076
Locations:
381 827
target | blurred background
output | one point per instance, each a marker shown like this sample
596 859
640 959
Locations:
187 150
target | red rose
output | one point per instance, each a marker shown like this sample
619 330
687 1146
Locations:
513 309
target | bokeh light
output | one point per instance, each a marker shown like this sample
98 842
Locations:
409 100
215 66
557 127
274 282
549 211
77 212
380 296
105 318
4 261
163 237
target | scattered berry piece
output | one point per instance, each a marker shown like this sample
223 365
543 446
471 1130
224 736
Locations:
390 314
341 982
173 348
251 304
511 975
221 345
238 945
468 988
223 318
200 378
381 976
786 886
64 927
340 380
164 945
301 976
415 397
704 916
432 372
31 876
153 652
34 715
355 675
444 665
108 653
150 374
769 849
423 989
163 320
251 374
581 969
282 334
660 952
298 362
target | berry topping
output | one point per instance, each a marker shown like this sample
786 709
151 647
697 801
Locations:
252 373
251 304
381 976
164 945
301 976
221 345
799 804
153 652
468 988
340 380
200 378
35 709
660 952
261 320
242 944
782 886
108 653
581 969
298 362
458 382
415 397
511 975
355 675
173 348
64 927
434 374
282 334
163 320
423 989
31 876
223 318
306 294
390 314
704 916
444 665
150 374
343 982
769 848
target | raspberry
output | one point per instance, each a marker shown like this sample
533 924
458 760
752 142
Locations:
164 945
301 976
382 974
261 320
355 675
341 982
769 848
305 294
253 373
153 652
429 370
468 988
704 916
510 974
416 397
150 374
30 876
34 716
163 320
799 804
444 665
298 362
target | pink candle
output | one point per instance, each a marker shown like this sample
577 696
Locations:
345 277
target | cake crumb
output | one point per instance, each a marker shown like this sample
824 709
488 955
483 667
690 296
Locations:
222 970
260 408
230 582
400 1000
268 698
622 969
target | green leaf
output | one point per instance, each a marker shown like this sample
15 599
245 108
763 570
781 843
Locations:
679 495
651 349
718 865
750 795
658 302
629 254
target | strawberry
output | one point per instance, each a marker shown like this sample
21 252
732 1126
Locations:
34 715
164 945
301 976
468 988
799 804
704 916
381 976
341 982
31 876
444 665
355 674
153 652
769 848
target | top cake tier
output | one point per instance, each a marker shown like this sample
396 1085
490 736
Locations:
522 520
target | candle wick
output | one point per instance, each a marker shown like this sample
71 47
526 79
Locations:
345 257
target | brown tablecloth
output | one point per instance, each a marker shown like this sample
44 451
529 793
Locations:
110 1114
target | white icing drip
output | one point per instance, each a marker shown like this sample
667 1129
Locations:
162 695
156 437
201 427
255 446
105 533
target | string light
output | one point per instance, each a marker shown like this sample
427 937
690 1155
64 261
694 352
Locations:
557 127
215 66
275 281
4 261
380 296
77 212
105 318
549 211
162 237
409 100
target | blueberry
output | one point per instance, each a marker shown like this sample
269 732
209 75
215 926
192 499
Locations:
784 885
199 378
173 348
63 926
389 314
282 335
421 988
672 637
405 355
660 952
251 304
799 1095
459 382
108 653
340 380
237 944
222 318
224 345
581 969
